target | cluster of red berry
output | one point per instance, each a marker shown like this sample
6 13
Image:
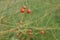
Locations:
23 10
29 32
42 32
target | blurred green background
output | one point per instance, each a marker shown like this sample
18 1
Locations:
44 14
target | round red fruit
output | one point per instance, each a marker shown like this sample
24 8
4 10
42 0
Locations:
30 31
28 11
17 35
22 10
42 32
21 22
23 33
24 7
12 30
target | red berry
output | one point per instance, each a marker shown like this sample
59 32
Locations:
42 32
17 35
21 22
24 7
29 31
28 11
12 30
22 10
